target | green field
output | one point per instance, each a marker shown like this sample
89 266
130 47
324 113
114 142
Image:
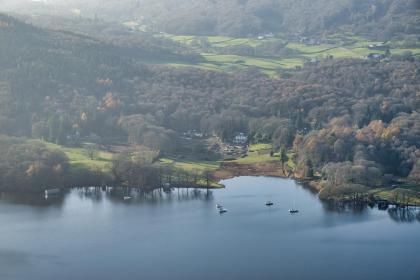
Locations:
258 153
79 158
191 165
339 46
256 158
259 147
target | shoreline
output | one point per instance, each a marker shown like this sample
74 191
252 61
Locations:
230 170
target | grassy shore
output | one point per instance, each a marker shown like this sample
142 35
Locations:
257 162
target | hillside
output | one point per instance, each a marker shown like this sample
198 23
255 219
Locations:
380 19
354 123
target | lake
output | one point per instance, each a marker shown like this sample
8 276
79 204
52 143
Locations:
98 235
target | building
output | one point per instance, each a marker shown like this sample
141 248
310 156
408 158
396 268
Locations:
240 138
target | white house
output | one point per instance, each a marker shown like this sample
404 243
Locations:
240 138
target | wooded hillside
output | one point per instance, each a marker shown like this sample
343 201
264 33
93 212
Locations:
353 121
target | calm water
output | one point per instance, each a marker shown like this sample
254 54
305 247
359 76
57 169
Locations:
182 236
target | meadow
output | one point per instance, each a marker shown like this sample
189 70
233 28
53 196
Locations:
338 46
79 158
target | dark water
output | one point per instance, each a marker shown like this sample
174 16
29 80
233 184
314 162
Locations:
180 236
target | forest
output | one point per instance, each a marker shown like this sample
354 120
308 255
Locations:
353 123
380 19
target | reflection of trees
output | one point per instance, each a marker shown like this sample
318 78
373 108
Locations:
117 194
345 207
398 214
36 200
94 193
403 215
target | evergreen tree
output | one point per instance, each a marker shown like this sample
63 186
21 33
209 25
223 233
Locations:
283 157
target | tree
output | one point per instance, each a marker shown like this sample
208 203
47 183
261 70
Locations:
208 177
91 150
415 172
283 157
40 130
309 171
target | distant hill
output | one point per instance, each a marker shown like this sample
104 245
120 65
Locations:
381 19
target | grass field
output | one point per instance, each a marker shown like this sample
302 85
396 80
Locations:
256 158
79 159
259 147
259 153
339 46
191 165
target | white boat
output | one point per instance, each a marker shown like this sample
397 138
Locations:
127 197
269 203
293 210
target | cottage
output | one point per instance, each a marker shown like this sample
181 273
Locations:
240 138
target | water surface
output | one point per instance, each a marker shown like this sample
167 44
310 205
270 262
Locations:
97 235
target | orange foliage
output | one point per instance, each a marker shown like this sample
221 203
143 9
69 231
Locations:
371 132
32 169
391 132
110 101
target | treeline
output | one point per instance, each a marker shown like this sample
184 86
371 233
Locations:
149 176
28 166
130 40
381 19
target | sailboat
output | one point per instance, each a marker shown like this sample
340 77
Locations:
293 210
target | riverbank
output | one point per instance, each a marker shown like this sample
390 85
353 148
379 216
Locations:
228 170
82 167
